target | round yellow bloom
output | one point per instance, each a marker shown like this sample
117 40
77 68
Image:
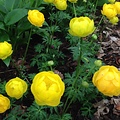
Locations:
5 50
49 1
4 103
73 1
81 26
117 6
109 10
60 4
107 80
16 87
47 88
114 20
36 18
111 1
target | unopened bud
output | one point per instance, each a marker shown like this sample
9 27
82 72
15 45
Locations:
94 37
98 63
50 63
85 84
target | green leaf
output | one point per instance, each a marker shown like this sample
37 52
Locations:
7 61
15 15
2 26
101 2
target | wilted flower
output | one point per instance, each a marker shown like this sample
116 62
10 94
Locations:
81 26
111 1
16 87
109 10
60 4
4 103
5 50
114 20
73 1
47 88
107 80
36 18
117 6
49 1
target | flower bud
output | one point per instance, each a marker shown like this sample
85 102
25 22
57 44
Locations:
94 37
85 84
98 63
50 63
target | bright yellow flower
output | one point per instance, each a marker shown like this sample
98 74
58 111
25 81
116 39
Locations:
36 18
81 26
60 4
47 88
5 50
49 1
73 1
4 103
107 80
117 6
111 1
16 87
109 10
114 20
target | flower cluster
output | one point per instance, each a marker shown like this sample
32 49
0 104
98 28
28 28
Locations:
81 26
5 50
107 80
47 88
111 11
60 4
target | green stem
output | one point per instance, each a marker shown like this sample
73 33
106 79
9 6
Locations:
66 106
26 50
74 10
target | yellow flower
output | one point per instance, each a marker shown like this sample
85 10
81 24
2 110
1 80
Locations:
47 88
49 1
111 1
16 87
107 80
60 4
5 50
114 20
73 1
109 10
117 6
81 26
4 103
36 18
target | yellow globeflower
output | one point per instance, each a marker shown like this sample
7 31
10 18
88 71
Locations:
107 80
4 103
111 1
73 1
5 50
81 26
47 88
16 87
36 18
49 1
60 4
109 10
114 20
117 6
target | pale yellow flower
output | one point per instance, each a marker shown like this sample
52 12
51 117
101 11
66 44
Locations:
5 50
60 4
81 26
114 20
4 103
109 10
49 1
47 88
107 80
36 18
111 1
16 87
73 1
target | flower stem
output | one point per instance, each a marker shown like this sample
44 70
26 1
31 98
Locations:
74 10
26 50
